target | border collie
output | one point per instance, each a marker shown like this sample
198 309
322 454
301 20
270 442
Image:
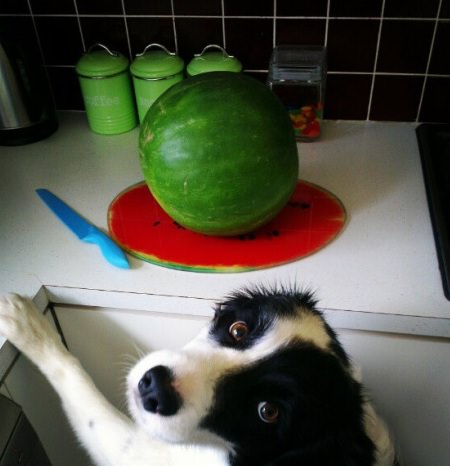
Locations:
266 383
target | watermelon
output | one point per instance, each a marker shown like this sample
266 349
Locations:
218 153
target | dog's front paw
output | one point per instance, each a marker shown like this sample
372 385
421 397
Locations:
24 325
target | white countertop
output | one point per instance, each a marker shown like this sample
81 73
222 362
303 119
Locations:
382 264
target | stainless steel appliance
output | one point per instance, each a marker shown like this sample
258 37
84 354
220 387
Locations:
26 106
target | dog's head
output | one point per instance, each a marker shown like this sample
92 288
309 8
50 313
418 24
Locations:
268 378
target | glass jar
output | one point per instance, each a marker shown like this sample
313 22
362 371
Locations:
297 75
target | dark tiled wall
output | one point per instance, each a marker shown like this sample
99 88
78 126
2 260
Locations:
387 59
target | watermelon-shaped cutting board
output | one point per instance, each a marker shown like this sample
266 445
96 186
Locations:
310 220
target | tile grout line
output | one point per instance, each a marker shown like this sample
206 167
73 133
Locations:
224 36
274 30
126 30
327 24
175 36
387 73
41 50
342 73
352 73
33 20
83 43
375 64
326 17
427 69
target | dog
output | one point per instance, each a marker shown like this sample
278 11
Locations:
266 383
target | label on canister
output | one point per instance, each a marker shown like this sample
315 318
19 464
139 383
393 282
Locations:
107 92
154 71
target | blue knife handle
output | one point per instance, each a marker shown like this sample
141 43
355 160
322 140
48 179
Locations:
112 253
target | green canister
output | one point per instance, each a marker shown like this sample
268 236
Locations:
218 60
107 91
154 71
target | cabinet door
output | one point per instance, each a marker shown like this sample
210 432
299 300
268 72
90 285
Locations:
408 380
109 341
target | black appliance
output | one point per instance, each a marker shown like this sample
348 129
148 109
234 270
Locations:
19 444
434 145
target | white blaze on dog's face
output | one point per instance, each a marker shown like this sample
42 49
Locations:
192 375
242 381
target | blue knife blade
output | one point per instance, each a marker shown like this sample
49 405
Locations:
84 230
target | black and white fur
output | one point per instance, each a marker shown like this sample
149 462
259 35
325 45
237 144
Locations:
267 383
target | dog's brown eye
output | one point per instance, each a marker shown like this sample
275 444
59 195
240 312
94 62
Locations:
268 412
238 330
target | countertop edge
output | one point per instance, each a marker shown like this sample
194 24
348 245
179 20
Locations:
421 326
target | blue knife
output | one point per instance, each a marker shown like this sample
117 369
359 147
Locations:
83 229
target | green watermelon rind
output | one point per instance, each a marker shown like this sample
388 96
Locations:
232 198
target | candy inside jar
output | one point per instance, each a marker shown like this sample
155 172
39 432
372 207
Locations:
297 77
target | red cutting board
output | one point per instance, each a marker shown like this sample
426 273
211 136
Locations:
310 220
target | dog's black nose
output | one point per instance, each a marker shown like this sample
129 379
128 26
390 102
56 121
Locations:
157 392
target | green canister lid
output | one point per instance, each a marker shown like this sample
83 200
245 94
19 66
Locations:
101 63
156 64
213 61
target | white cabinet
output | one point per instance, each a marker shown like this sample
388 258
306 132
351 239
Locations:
28 387
408 378
109 341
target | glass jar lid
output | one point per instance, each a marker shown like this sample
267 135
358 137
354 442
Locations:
101 63
154 64
213 61
297 62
